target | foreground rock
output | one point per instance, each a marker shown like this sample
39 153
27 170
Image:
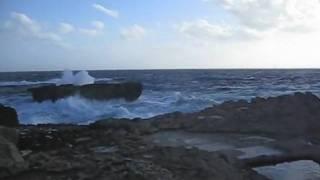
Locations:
118 149
8 117
11 161
287 115
87 152
129 91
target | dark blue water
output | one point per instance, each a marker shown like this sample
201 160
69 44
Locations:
164 91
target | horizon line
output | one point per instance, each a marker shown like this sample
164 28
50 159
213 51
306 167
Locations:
160 69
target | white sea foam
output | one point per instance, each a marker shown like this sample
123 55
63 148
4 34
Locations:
103 79
78 110
73 109
26 83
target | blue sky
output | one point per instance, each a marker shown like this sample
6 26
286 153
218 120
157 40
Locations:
158 34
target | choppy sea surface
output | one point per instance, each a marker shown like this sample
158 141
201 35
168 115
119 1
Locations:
164 91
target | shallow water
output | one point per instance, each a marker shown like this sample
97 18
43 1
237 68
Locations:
254 151
247 146
298 170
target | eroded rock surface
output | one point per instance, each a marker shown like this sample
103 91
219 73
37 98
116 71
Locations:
88 152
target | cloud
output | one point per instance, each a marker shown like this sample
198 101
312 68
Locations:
66 28
97 29
282 15
202 29
109 12
133 32
24 25
98 25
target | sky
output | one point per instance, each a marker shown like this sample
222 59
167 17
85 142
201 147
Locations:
38 35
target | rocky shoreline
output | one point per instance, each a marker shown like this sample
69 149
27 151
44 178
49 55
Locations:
215 143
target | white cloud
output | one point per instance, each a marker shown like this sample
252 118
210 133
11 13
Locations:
282 15
98 24
89 32
202 29
66 28
97 29
133 32
24 25
109 12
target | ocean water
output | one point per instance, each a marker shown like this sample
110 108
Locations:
165 91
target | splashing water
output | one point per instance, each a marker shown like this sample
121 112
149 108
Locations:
79 79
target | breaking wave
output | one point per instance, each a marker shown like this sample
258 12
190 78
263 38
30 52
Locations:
80 78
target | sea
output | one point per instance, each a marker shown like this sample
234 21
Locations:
165 91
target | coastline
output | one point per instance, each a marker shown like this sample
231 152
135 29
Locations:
210 144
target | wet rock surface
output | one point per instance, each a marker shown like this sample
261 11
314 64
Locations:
187 143
129 91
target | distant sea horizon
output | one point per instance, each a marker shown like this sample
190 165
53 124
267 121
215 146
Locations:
160 69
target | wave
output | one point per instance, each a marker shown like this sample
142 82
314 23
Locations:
103 79
73 109
27 83
78 79
50 81
78 110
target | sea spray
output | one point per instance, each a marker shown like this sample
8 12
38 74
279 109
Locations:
79 79
83 78
68 77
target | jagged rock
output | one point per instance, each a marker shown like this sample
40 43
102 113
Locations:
129 91
8 117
